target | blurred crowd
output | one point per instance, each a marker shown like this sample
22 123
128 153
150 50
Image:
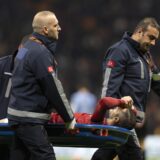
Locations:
89 27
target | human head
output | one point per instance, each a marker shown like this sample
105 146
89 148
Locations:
146 33
123 117
46 23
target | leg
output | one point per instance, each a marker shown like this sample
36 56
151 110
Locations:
18 150
36 141
4 151
131 150
104 154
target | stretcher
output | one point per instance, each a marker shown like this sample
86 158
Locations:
87 135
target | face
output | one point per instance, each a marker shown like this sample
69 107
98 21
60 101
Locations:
148 38
53 28
113 112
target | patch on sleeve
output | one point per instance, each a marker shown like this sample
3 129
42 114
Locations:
21 53
50 69
111 63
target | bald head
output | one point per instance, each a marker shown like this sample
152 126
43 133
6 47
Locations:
42 19
46 23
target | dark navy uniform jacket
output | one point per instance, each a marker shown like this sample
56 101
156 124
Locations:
127 72
36 90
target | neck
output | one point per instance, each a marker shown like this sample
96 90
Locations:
49 43
135 37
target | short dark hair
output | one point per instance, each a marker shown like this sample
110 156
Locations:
127 119
148 21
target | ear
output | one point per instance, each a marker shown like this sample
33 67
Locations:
116 119
45 30
140 31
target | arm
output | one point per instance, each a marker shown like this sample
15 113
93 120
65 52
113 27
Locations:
107 103
44 71
114 67
103 105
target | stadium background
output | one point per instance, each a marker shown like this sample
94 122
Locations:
89 27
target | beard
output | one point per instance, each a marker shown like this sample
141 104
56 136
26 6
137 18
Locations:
145 47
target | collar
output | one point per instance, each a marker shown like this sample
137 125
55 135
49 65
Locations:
145 55
49 43
135 44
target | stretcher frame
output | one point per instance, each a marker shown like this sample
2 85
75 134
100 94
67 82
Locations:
86 136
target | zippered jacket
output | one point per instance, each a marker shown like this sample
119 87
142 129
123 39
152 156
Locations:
127 72
36 89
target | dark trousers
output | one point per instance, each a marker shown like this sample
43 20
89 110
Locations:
129 151
31 143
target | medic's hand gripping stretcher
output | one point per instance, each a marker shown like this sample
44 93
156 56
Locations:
87 135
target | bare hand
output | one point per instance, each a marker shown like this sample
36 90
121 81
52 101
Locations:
128 101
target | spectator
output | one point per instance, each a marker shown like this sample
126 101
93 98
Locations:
83 100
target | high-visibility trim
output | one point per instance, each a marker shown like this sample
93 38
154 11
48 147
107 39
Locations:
105 82
150 80
8 88
142 69
8 73
28 114
62 94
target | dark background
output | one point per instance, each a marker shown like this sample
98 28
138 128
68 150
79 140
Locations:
89 27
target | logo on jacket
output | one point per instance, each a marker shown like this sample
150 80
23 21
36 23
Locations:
50 69
111 64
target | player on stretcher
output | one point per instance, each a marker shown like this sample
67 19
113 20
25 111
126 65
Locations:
121 113
94 130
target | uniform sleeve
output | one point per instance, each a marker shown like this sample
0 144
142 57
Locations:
114 72
103 105
45 73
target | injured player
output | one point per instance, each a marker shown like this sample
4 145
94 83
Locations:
121 112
